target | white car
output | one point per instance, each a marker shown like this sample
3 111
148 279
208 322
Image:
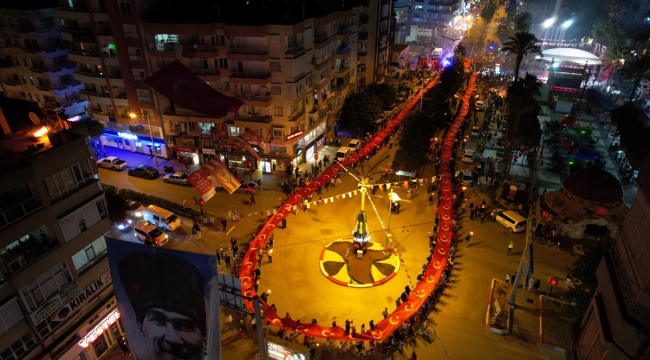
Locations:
468 156
113 163
354 144
476 131
479 105
135 209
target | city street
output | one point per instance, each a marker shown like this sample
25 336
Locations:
299 288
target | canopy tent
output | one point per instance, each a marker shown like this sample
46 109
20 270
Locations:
572 55
178 84
563 107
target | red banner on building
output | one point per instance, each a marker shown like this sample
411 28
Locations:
222 175
202 184
179 84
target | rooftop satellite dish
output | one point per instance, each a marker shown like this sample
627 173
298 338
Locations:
34 118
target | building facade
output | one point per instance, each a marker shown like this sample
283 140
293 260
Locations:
376 36
291 78
107 42
55 285
616 323
33 61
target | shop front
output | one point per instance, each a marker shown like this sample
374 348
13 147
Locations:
186 152
308 146
134 142
207 155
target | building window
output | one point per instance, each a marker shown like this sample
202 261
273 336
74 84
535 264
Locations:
46 285
18 349
221 63
82 219
125 8
89 255
191 126
147 114
143 95
101 209
10 315
278 134
69 180
130 31
233 131
277 110
221 40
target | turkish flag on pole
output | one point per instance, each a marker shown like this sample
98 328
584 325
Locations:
222 175
202 184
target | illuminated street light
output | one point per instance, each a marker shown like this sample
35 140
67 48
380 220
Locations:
566 24
548 23
152 148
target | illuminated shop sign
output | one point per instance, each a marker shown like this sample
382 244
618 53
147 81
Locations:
294 135
97 331
127 136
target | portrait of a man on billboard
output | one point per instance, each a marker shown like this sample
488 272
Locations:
164 298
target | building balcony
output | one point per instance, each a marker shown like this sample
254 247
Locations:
343 34
298 116
341 89
363 35
55 69
294 52
248 54
77 35
10 213
183 115
342 71
104 99
87 57
361 68
344 49
254 121
207 50
207 74
250 77
51 50
24 253
255 99
97 79
320 65
362 51
15 85
320 41
364 19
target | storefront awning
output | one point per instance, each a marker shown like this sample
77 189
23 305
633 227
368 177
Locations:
184 149
178 84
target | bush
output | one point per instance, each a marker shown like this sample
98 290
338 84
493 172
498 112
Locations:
154 200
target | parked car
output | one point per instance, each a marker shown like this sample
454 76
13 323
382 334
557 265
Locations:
178 178
134 209
113 163
468 156
123 225
354 144
150 234
144 171
465 177
476 131
479 105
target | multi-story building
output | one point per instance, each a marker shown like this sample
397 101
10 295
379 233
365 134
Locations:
292 77
107 43
55 288
616 325
427 17
376 36
33 58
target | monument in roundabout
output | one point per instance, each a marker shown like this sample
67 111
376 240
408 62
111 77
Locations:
357 261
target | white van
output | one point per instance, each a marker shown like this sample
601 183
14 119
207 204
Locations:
513 221
160 217
342 153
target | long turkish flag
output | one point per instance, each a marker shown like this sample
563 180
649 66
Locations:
222 175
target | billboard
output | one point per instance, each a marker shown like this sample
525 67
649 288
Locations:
279 352
165 299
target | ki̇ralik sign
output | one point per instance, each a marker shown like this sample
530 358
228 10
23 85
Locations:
86 294
54 303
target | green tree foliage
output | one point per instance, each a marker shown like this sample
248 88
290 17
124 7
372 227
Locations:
489 10
414 141
636 68
460 50
523 21
361 110
95 129
116 203
521 99
385 92
520 44
583 278
511 10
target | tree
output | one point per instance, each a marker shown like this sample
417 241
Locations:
615 53
523 21
414 140
460 50
521 101
117 204
95 129
583 278
488 10
385 92
636 68
359 111
520 44
511 10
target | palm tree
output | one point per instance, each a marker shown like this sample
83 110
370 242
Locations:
636 68
523 21
520 44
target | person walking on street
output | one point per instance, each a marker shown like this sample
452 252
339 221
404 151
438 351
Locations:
121 341
253 323
510 246
284 223
252 200
226 259
508 278
269 254
469 236
385 313
224 223
229 321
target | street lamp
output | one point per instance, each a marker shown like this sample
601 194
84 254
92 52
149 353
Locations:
547 27
565 26
152 148
360 231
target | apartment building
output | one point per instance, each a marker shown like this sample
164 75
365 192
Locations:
292 76
616 323
33 58
376 37
55 287
106 41
432 14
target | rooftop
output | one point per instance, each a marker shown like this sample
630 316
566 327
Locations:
243 12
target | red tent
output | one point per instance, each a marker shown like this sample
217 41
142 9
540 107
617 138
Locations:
178 84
